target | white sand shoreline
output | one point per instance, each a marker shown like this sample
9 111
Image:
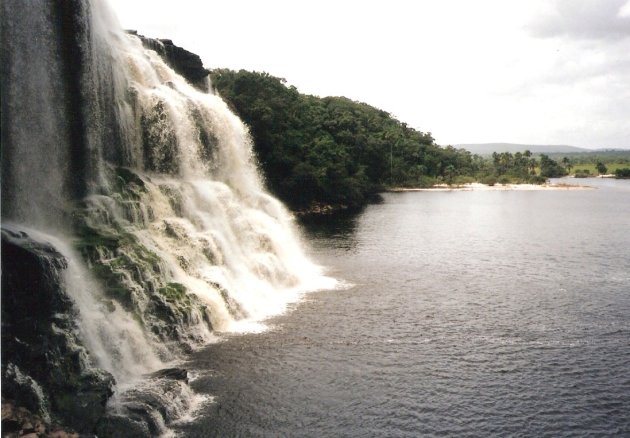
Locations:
496 187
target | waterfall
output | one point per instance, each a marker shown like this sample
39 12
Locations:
187 189
147 185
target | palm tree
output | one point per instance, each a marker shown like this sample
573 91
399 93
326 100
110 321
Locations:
567 164
532 166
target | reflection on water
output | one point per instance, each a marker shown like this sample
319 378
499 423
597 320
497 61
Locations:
337 230
472 314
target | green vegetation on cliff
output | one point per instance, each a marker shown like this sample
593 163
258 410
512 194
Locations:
332 151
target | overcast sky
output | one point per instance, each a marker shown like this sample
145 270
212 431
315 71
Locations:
520 71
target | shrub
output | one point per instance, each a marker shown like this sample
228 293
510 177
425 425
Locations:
504 179
582 173
622 173
489 180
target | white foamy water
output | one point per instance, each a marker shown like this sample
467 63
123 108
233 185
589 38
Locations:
211 221
116 342
149 187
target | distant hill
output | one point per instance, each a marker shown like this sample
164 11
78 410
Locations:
489 148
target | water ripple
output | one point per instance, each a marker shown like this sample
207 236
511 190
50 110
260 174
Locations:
473 314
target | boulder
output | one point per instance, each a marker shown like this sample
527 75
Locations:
147 408
44 367
171 373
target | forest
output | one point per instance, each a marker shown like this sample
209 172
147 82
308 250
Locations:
333 153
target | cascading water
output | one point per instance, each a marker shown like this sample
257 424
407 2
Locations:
189 192
150 180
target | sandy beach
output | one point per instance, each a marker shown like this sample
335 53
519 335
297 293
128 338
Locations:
496 187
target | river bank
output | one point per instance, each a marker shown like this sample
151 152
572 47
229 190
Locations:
495 187
318 211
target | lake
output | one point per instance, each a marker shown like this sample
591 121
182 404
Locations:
479 313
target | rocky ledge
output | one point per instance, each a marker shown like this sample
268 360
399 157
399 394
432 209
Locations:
45 369
181 60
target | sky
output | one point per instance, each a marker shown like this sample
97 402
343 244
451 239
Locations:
518 71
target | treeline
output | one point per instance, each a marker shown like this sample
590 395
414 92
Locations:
599 162
522 167
612 156
332 151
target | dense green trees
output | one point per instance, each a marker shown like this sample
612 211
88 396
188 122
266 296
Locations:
519 167
332 150
550 168
335 152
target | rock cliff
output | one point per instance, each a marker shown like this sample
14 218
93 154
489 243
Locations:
44 366
186 63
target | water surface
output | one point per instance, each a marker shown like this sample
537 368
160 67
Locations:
470 314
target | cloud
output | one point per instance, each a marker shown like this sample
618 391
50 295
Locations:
625 10
584 19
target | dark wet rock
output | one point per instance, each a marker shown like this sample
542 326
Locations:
115 425
171 373
127 272
159 141
186 63
147 409
44 367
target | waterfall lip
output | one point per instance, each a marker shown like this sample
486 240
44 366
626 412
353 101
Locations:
16 231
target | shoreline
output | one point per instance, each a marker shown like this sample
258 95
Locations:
497 187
